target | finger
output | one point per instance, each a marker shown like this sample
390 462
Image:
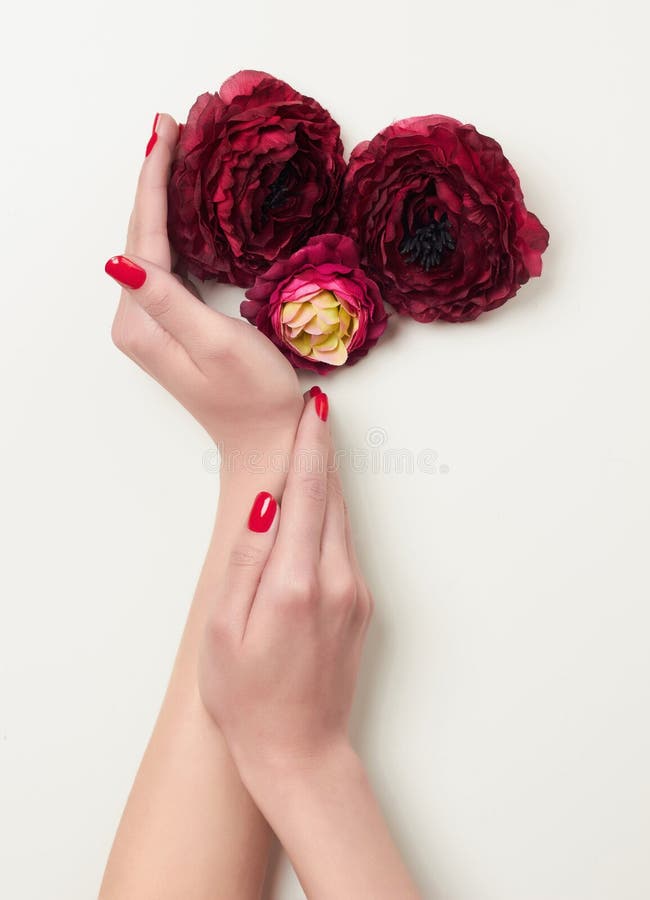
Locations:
140 338
246 563
338 553
312 392
147 235
172 306
349 542
337 574
333 539
364 598
304 499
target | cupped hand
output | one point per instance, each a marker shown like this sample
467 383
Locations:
284 637
227 374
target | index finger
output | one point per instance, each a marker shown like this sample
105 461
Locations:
305 495
147 235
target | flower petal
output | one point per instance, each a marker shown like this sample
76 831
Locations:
325 342
329 316
325 300
304 315
301 344
336 357
315 326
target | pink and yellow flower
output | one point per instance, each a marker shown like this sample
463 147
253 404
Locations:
318 306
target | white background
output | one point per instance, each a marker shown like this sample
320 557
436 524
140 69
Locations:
503 712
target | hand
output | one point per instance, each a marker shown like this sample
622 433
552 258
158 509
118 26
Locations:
277 672
284 638
227 374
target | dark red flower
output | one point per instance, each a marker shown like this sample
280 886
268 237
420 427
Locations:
258 170
319 307
439 216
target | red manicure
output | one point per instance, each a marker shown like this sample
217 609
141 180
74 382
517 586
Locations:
153 138
314 391
180 131
322 406
126 272
262 512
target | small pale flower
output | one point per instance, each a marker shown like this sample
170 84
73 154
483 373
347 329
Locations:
318 306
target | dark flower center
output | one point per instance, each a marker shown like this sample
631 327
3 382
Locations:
427 245
279 191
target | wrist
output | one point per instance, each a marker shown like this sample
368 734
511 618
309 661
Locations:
258 453
275 780
247 465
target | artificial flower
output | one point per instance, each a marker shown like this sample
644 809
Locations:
439 216
258 170
318 306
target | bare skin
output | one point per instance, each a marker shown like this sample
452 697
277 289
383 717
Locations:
277 622
278 671
190 828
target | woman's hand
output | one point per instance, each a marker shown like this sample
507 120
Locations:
226 373
277 672
284 638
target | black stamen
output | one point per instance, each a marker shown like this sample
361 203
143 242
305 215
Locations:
278 192
429 243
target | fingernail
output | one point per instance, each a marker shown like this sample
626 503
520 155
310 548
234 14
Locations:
262 512
314 391
153 138
322 406
126 272
180 131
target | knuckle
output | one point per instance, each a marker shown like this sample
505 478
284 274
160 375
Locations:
118 335
124 338
139 234
217 630
246 555
336 488
215 350
343 592
157 305
314 488
368 605
299 590
131 342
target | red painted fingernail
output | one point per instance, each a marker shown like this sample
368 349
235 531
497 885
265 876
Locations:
314 391
126 272
180 131
151 144
262 512
322 406
154 136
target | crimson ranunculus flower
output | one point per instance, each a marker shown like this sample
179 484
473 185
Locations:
319 307
258 170
439 216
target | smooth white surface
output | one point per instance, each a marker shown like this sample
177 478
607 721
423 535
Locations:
504 705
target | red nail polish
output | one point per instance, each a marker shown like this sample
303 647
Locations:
154 136
180 131
126 272
313 392
322 406
262 512
151 144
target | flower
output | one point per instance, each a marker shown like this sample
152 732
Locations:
258 170
439 216
319 307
